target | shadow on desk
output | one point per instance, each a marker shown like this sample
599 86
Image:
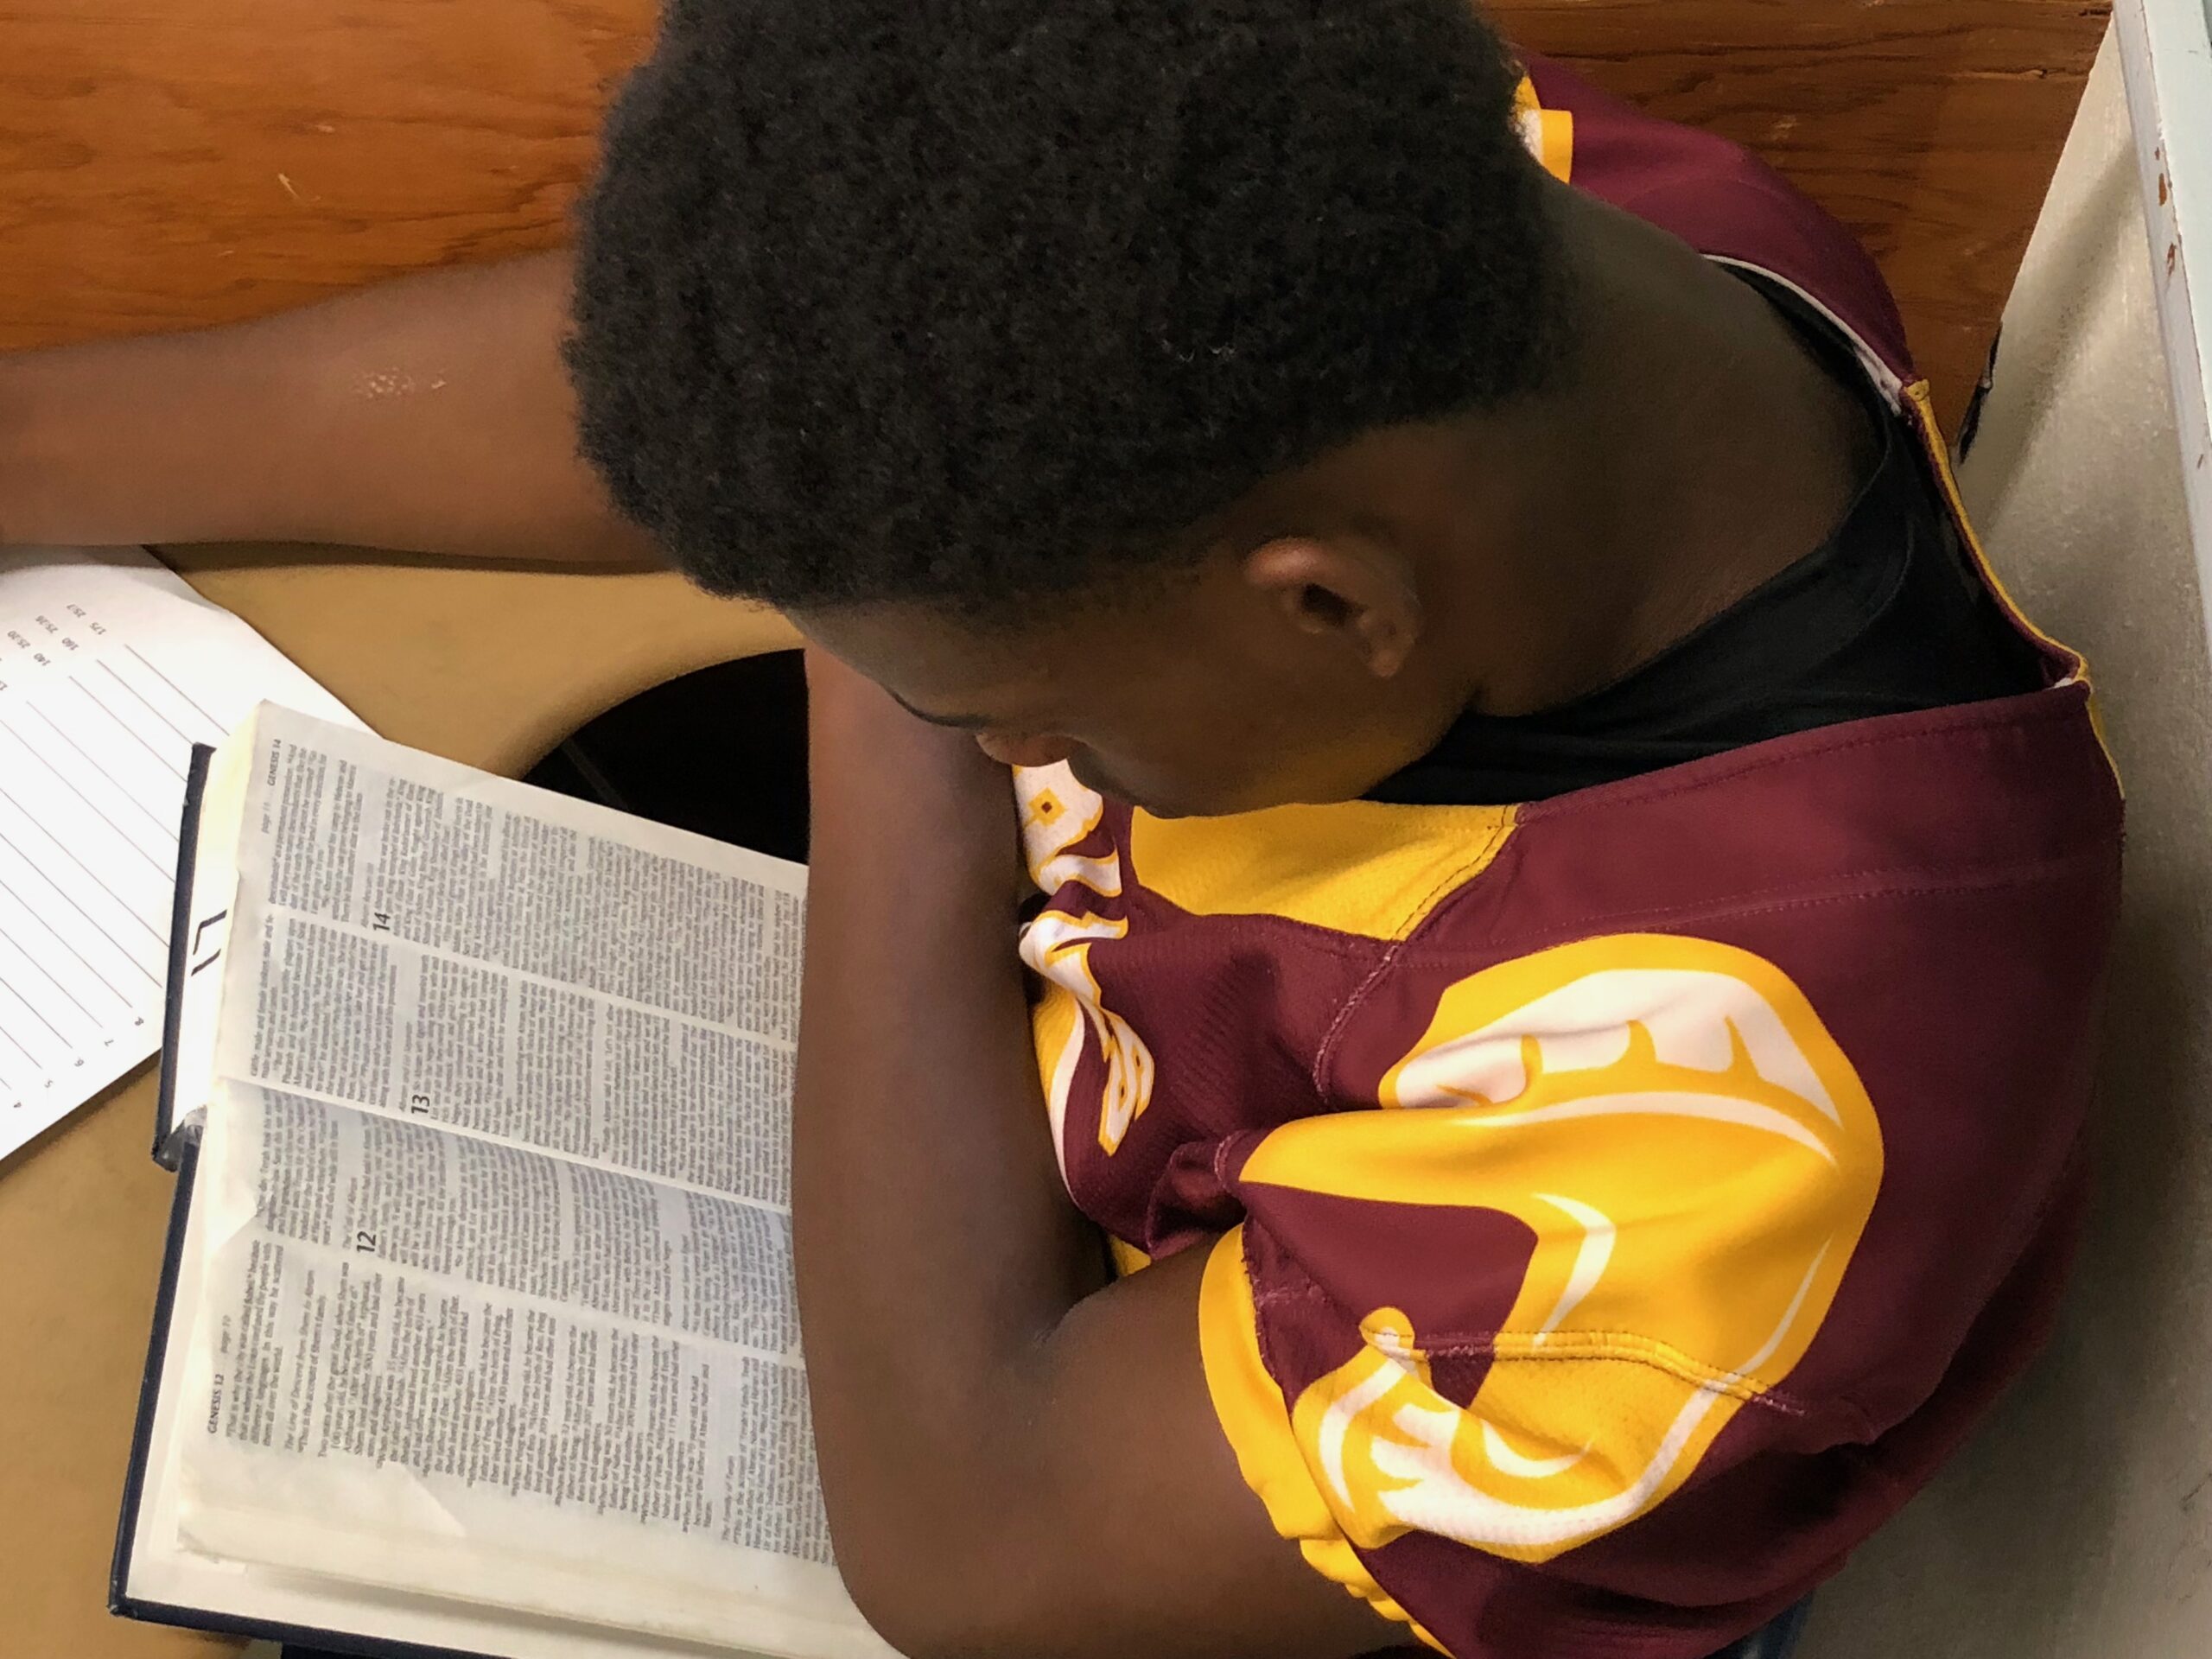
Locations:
721 751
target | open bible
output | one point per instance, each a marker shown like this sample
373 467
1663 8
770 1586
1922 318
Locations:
476 1330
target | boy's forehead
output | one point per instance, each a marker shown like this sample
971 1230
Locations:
948 669
931 655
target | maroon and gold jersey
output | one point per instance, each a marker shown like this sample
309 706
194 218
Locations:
1617 1205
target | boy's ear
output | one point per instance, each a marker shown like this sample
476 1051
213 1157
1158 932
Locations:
1357 593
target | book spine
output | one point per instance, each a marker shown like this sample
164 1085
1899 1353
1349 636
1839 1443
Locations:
166 1152
149 1385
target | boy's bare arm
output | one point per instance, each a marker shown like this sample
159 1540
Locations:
430 415
1017 1462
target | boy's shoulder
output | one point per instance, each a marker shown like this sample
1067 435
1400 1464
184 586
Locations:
1219 977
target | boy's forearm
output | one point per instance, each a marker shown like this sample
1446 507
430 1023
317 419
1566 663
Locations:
430 415
936 1248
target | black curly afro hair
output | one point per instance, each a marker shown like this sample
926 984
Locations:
974 302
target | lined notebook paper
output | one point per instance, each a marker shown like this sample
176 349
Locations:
111 670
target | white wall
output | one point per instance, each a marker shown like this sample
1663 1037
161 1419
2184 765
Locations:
2079 1524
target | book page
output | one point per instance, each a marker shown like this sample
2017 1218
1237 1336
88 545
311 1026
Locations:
415 937
161 1579
495 1302
429 1360
111 670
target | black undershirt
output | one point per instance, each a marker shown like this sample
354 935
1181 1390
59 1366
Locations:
1885 617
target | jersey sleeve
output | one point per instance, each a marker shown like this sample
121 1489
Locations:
1472 1340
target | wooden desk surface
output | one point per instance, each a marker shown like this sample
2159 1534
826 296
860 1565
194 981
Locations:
171 162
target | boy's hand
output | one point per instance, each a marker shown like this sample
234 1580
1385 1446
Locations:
917 802
861 724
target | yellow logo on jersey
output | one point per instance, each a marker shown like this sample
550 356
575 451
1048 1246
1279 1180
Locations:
1057 814
1696 1158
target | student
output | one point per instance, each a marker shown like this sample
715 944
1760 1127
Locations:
1566 911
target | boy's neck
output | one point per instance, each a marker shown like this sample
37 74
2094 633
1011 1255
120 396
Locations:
1693 450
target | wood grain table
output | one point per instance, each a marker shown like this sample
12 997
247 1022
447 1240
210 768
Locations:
168 163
